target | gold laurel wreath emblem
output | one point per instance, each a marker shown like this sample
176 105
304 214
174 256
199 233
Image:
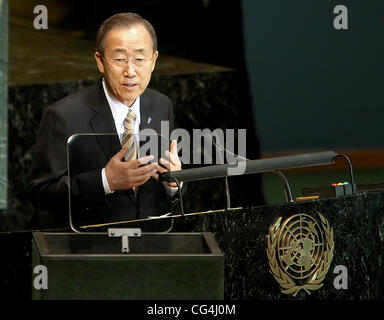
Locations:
315 279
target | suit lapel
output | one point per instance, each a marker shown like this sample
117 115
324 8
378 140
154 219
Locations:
102 123
145 111
150 118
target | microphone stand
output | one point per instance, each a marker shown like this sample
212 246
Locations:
180 195
227 193
288 193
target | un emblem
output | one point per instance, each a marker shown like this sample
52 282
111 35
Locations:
300 251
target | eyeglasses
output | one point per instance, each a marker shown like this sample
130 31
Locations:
123 63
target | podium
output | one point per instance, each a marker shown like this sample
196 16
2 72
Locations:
158 266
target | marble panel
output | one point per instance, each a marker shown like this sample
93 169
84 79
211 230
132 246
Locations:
3 101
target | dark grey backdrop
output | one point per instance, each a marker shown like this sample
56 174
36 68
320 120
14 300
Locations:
314 87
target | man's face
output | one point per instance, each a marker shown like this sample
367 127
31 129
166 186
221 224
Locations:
129 81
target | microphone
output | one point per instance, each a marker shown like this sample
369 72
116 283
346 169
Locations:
254 166
288 192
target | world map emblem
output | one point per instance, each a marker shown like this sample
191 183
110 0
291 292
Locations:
300 252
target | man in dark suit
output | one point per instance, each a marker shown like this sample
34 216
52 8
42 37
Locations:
108 182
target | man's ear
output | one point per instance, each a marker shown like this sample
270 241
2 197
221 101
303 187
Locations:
99 61
155 56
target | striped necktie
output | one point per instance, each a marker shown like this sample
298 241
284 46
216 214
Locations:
128 136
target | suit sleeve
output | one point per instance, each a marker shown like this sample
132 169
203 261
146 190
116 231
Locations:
171 118
49 174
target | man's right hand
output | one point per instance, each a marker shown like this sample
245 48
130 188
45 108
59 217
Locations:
125 175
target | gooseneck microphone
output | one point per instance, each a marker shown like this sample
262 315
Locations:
252 166
288 192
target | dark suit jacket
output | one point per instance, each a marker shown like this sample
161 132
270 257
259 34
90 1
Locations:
87 111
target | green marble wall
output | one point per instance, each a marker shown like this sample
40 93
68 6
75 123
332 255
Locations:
358 228
3 100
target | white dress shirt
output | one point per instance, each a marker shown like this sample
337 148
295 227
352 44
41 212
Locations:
119 112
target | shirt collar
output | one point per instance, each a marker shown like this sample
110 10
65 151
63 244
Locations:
119 109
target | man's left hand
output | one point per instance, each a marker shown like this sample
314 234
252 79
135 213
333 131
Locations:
172 164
